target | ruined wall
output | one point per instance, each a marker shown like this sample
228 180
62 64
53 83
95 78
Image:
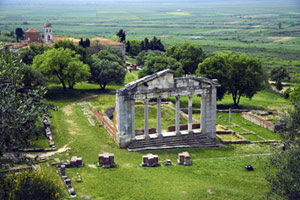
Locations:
106 122
258 120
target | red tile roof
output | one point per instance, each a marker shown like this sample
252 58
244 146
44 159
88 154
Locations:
105 41
32 30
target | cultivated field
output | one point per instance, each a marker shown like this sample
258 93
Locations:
249 27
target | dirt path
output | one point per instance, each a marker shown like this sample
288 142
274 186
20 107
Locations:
48 154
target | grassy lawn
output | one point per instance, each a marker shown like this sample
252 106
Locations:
130 181
238 119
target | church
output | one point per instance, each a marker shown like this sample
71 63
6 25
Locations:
34 36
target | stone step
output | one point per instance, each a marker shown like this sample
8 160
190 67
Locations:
183 141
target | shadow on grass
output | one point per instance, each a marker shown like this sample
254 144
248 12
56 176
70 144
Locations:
56 93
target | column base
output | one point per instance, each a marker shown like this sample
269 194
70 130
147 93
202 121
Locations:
160 136
191 132
178 133
147 137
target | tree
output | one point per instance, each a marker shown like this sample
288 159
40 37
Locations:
121 34
278 74
22 104
33 185
68 44
141 57
81 43
188 55
146 44
142 46
155 64
237 74
106 68
282 169
87 42
127 46
118 52
62 65
19 33
279 25
28 54
134 48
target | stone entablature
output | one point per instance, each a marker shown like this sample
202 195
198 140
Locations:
159 85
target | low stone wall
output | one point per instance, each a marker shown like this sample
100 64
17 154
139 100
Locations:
182 127
258 120
185 110
106 122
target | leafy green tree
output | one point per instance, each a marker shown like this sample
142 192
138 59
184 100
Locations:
237 74
107 55
134 47
62 65
68 44
121 34
116 51
28 54
155 64
282 169
141 57
22 102
19 33
107 68
30 185
189 55
278 75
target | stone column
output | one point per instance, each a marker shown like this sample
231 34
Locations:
208 113
203 113
132 120
190 109
146 127
159 117
177 127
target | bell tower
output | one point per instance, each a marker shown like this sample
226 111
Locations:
48 32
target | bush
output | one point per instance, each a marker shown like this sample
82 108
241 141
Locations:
30 185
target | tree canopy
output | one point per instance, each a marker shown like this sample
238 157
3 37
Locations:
106 68
282 169
133 47
62 65
141 57
22 102
19 33
155 64
68 44
189 55
33 185
238 75
279 74
28 54
121 34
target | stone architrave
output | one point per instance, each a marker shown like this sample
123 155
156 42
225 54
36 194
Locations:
160 85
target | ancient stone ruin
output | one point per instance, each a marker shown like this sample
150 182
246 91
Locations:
150 160
184 158
106 160
160 85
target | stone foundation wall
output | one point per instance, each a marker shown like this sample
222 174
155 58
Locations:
258 120
106 122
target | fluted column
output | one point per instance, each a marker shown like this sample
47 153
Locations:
190 110
159 117
132 120
177 127
146 120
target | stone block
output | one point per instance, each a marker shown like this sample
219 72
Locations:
150 160
168 162
67 181
106 160
184 159
63 170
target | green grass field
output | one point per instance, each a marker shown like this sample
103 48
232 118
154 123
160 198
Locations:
130 181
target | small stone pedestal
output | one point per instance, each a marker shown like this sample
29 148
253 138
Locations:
184 158
76 162
150 161
168 162
106 160
62 170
